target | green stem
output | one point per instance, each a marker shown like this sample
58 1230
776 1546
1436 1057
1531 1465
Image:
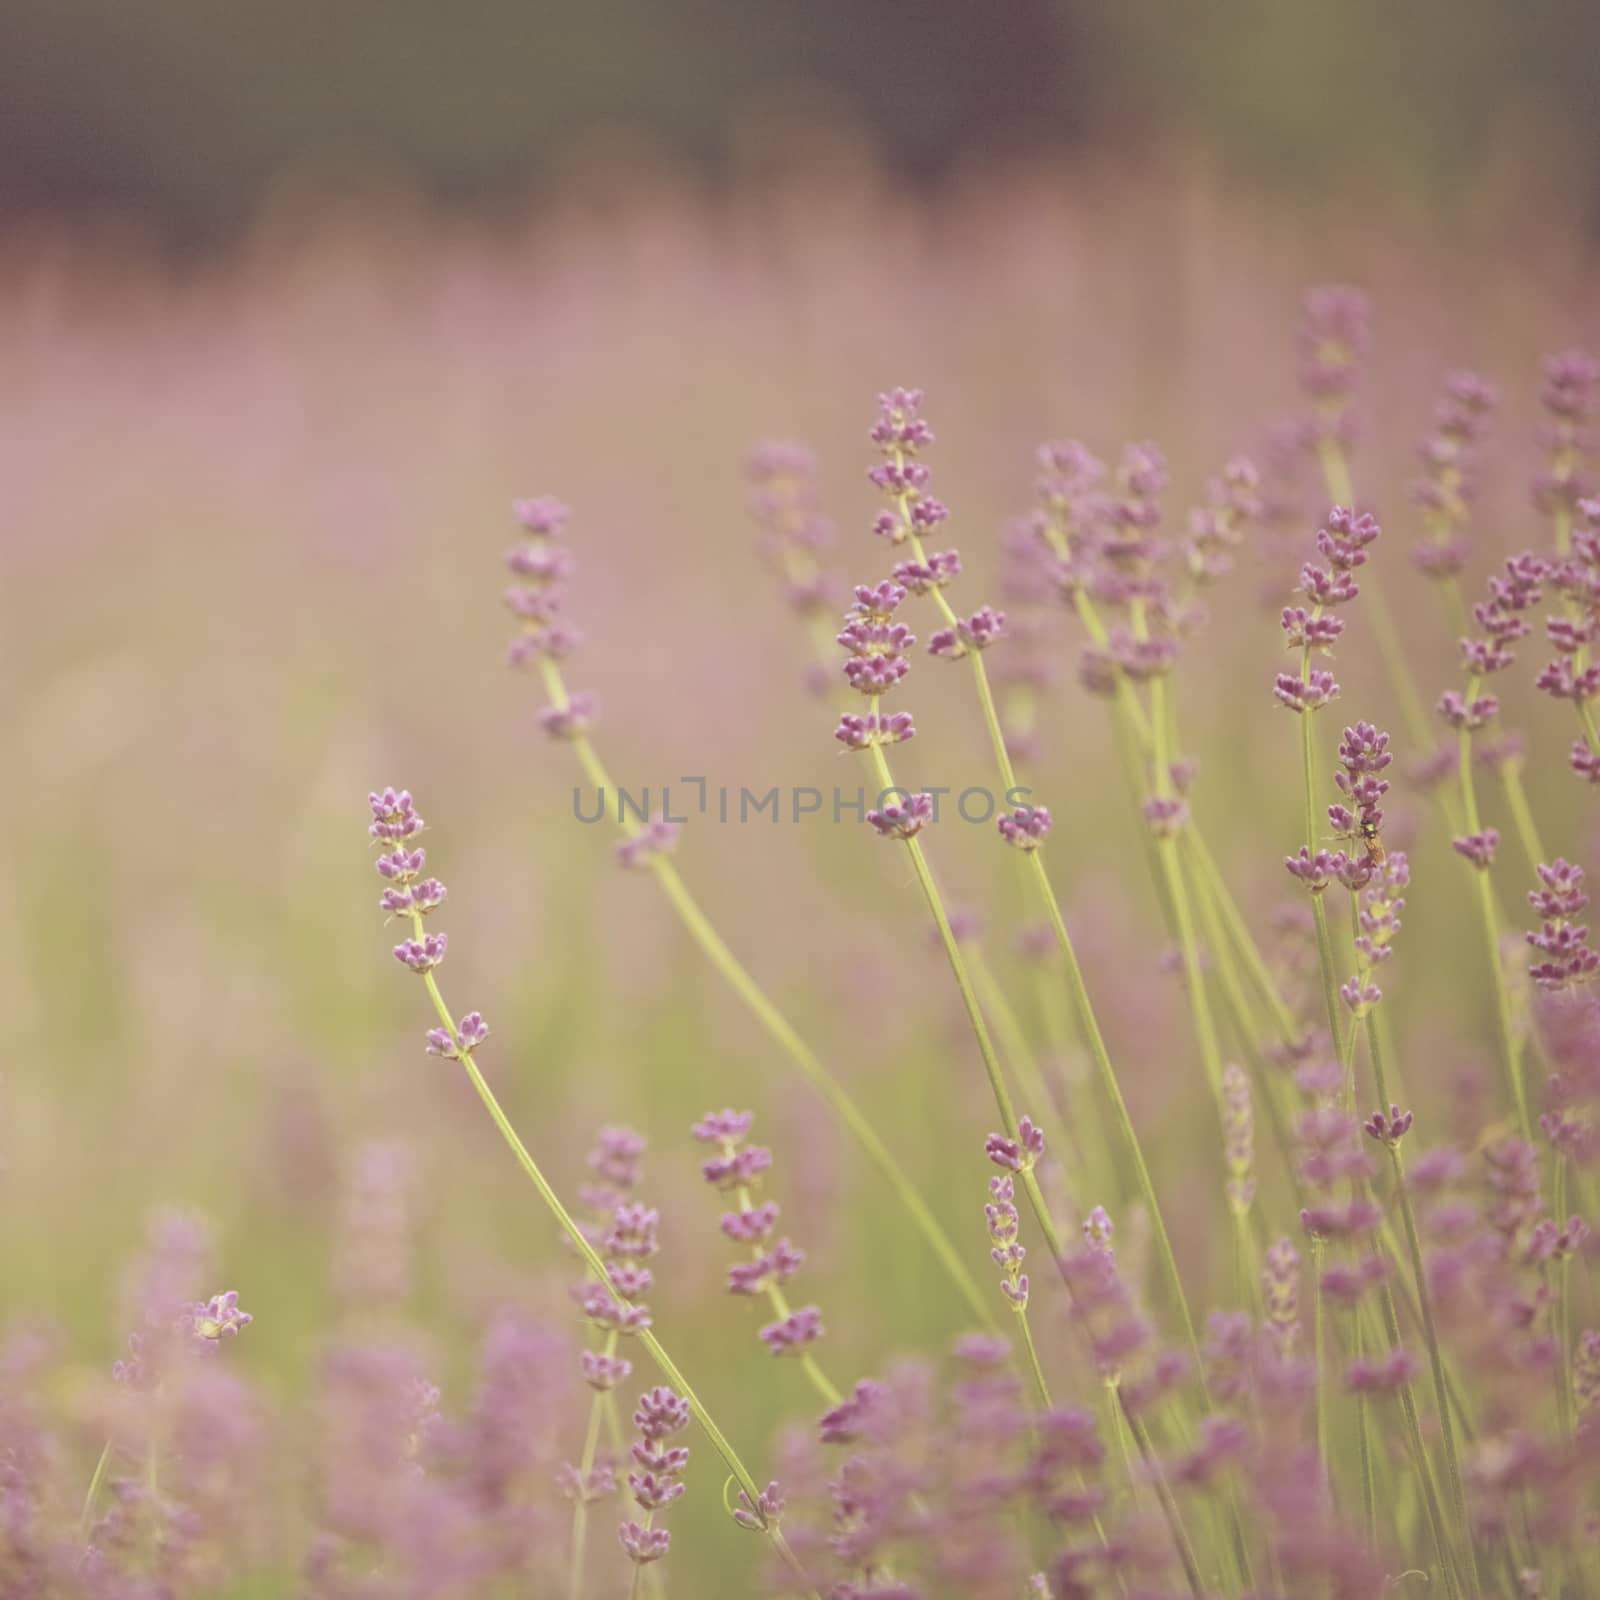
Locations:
783 1034
580 1505
1034 1367
1441 1397
1319 1361
592 1259
829 1087
1239 934
1522 814
1419 1454
1169 1505
1113 1093
86 1519
1510 1055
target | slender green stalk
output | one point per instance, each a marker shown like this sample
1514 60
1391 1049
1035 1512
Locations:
1369 1496
1522 814
1563 1309
1164 1495
1113 1093
1320 1361
86 1518
820 1381
1341 488
1080 992
592 1259
1430 1336
1510 1055
1419 1454
784 1035
1039 1381
580 1503
1008 1116
1215 888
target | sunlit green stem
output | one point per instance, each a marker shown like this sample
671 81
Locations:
1113 1093
1510 1055
580 1503
784 1035
1419 1455
86 1519
592 1259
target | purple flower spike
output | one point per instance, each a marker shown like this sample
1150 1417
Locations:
1360 997
766 1511
602 1372
472 1030
572 720
422 955
1314 871
661 1412
976 632
723 1126
1478 848
218 1318
739 1169
542 515
1312 694
394 816
923 577
903 819
796 1331
656 838
1026 828
1381 1374
1569 958
643 1545
1388 1128
861 732
1302 630
1019 1154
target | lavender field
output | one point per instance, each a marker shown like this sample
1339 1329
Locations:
1075 1072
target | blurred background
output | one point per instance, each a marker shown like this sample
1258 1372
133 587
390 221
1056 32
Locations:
295 298
188 118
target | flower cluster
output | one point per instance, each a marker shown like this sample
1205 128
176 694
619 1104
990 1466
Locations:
1342 543
1571 386
1026 828
1573 632
1335 329
735 1170
1120 1338
903 817
1238 1138
395 823
1444 490
1006 1250
657 837
624 1234
1363 754
1569 959
1020 1154
541 567
657 1478
873 642
1218 528
793 531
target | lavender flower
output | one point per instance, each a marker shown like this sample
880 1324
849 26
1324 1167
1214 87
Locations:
1569 958
772 1263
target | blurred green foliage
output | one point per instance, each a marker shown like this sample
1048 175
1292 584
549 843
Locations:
185 113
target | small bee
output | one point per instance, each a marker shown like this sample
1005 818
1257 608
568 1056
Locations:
1369 836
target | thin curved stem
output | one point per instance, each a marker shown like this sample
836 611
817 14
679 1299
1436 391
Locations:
592 1259
785 1036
